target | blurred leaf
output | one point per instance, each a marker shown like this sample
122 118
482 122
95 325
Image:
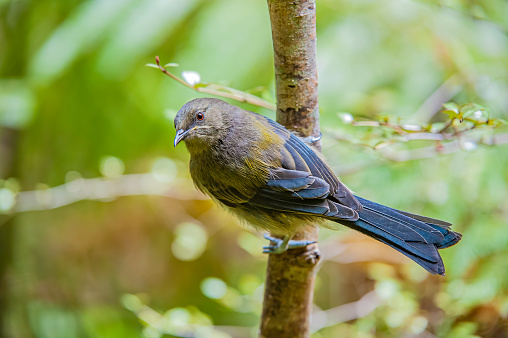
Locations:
146 25
452 114
17 104
152 65
213 288
75 36
190 241
7 200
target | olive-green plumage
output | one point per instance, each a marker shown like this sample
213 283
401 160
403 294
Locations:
267 176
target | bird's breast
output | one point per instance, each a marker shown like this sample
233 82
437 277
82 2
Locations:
232 180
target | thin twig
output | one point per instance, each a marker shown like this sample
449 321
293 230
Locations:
443 148
387 155
219 90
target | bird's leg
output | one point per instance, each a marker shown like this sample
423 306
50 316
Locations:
284 244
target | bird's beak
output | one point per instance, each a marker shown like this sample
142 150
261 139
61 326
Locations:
180 135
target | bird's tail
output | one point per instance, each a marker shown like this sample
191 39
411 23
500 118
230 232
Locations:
415 236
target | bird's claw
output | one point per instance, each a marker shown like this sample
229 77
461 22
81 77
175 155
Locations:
273 249
282 245
273 239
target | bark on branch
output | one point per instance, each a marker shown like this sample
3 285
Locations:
290 276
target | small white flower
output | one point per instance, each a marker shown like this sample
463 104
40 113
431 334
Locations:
191 77
479 115
346 118
469 145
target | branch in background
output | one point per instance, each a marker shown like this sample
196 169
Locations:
388 155
461 119
107 189
346 312
467 144
467 127
192 80
102 189
439 148
191 324
171 326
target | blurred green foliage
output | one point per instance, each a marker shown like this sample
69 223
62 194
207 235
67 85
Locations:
76 101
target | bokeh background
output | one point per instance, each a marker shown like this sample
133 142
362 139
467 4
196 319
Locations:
103 234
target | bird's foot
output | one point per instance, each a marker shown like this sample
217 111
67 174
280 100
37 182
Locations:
312 139
284 244
312 256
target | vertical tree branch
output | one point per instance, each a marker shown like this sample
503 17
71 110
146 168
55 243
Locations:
290 276
294 46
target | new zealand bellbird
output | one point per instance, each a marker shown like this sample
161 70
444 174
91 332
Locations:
269 177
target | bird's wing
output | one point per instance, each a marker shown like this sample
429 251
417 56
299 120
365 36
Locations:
296 155
300 192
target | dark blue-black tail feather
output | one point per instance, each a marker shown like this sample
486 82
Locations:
417 237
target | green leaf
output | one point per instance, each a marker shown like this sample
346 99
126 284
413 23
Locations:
452 114
171 64
451 106
152 65
474 112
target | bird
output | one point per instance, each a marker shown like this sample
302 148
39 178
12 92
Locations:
268 176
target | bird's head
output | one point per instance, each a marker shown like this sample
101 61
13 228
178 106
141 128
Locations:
202 122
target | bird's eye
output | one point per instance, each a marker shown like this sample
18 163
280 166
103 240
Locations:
200 116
